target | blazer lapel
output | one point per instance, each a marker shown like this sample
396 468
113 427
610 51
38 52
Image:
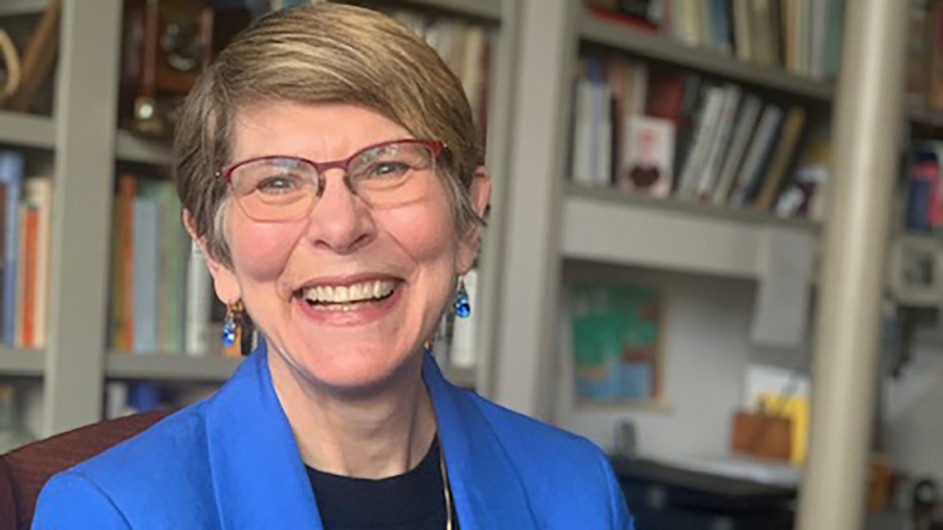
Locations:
487 490
257 470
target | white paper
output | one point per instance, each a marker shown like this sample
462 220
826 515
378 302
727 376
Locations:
782 304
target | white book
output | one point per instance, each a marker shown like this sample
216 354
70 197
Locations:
581 166
602 135
719 142
197 326
701 142
743 131
817 39
743 34
639 88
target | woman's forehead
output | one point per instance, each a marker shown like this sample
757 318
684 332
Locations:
318 131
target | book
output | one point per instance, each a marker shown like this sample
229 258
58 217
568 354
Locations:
25 278
647 156
39 197
11 177
197 339
704 130
145 271
782 156
747 116
744 45
818 44
719 143
749 178
122 280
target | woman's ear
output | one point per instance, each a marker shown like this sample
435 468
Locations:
480 192
224 279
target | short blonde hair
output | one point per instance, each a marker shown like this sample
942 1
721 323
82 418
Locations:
324 53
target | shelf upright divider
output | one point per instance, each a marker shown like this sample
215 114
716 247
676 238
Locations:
525 350
86 115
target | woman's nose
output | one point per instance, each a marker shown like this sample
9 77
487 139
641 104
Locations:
340 220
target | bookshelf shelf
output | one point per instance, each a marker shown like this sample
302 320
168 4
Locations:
21 363
488 9
131 148
612 227
21 7
659 48
919 114
27 130
169 367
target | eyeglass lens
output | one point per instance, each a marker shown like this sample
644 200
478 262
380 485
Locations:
287 188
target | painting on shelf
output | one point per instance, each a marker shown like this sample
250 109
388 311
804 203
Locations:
617 344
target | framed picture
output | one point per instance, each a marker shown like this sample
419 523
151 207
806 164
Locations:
916 271
616 334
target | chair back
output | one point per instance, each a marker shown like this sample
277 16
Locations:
25 470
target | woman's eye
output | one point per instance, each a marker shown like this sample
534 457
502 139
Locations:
388 169
279 184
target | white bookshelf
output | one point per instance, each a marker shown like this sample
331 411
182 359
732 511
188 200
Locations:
26 130
21 363
169 367
653 47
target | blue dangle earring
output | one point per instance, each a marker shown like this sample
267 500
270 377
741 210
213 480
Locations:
462 305
236 330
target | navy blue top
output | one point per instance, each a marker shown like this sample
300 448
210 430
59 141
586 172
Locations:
414 500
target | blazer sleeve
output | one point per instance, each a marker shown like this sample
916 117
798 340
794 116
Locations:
620 517
71 501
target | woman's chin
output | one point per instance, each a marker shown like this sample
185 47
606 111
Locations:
352 369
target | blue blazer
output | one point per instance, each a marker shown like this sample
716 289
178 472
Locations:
232 462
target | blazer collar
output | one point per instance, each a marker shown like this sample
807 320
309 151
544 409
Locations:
261 482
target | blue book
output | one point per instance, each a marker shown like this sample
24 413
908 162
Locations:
720 25
146 271
11 177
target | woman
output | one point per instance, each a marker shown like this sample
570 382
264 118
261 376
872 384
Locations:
330 171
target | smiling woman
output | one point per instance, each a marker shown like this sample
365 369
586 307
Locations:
330 170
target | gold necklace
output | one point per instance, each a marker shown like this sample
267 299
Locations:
445 488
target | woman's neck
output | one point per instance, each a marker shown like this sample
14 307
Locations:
381 434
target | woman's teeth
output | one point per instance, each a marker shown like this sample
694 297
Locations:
349 297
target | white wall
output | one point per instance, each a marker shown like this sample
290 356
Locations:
706 349
913 406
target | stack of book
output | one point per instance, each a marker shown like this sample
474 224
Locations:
25 214
801 36
666 132
161 294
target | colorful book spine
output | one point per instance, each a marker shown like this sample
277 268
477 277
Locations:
39 197
146 268
11 176
198 304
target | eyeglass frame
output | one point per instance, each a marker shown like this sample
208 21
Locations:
437 146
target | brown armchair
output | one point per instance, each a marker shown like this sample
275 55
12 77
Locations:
25 470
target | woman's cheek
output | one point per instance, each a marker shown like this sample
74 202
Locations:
261 250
